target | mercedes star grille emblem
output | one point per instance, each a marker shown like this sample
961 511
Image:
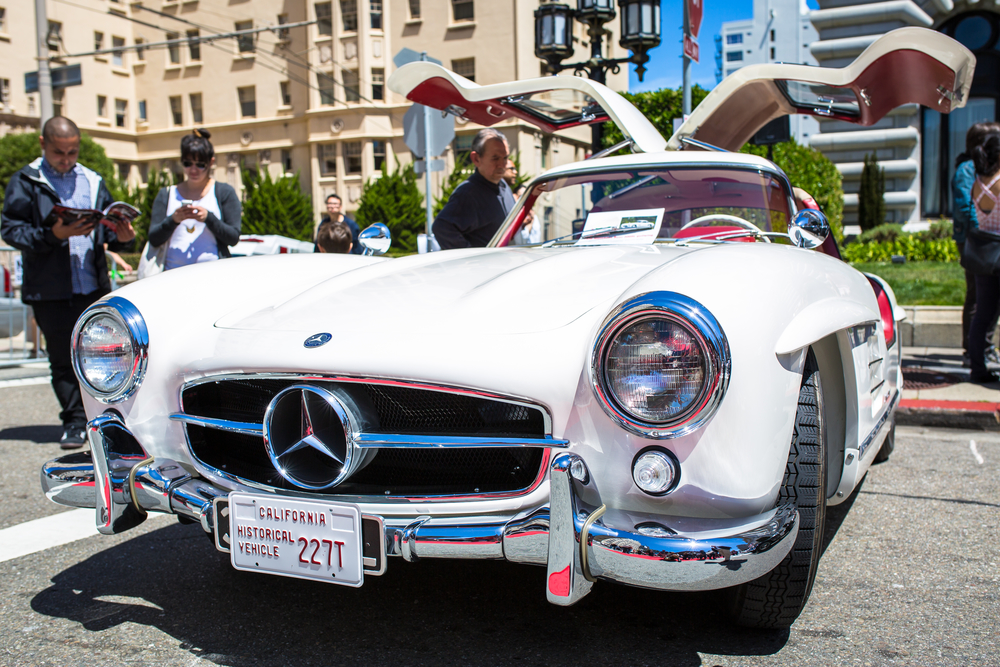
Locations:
309 435
317 340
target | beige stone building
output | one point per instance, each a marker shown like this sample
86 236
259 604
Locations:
310 99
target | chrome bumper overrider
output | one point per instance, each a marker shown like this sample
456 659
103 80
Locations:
122 483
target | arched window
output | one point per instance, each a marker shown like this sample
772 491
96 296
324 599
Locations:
944 134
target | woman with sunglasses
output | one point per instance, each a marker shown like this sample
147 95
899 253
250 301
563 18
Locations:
199 218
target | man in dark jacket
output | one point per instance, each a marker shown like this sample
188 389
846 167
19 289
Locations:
479 205
65 269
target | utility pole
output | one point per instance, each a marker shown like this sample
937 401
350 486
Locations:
686 82
427 163
44 75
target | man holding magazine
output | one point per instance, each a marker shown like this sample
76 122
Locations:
65 269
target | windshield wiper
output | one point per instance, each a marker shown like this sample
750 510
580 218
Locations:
607 231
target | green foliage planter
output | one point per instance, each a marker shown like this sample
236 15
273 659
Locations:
913 249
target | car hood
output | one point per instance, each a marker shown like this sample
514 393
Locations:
504 291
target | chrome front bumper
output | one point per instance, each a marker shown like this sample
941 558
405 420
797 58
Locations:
568 536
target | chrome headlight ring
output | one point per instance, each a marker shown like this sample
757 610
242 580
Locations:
706 332
126 314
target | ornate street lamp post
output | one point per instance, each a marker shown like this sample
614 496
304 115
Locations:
640 32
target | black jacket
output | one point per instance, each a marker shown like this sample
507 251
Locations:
47 274
473 214
226 231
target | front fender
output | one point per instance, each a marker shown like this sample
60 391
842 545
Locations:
821 319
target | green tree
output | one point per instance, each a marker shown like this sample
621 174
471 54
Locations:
660 107
276 206
871 195
394 200
461 171
142 198
19 150
812 171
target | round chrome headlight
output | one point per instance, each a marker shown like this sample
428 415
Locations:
660 365
109 348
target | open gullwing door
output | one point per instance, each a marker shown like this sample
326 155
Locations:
552 103
901 67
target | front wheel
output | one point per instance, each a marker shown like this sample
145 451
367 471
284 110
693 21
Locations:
776 599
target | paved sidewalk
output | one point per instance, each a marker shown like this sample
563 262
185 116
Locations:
937 392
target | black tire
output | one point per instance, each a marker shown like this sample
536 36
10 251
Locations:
776 599
888 445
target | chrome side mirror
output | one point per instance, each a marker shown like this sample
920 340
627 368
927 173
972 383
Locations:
809 228
375 239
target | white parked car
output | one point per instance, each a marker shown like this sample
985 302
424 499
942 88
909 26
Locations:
668 397
268 244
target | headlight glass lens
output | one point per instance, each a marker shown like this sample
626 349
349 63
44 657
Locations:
105 354
655 369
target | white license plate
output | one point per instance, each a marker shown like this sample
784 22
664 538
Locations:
307 539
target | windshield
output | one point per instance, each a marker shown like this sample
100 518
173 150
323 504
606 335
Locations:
647 204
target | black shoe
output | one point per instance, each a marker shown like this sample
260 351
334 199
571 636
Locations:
73 437
984 378
966 361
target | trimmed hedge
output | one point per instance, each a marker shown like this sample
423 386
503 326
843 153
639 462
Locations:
911 247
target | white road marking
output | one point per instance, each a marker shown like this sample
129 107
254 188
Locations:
24 382
51 531
975 452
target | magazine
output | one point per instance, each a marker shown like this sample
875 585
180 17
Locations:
75 216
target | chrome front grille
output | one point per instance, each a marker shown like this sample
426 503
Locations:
426 440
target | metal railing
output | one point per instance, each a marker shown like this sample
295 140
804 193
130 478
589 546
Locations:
21 341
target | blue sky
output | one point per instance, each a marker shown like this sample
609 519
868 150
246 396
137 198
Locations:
664 69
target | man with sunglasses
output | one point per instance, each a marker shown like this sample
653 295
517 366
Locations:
65 269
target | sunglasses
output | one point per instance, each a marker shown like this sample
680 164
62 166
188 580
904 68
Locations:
188 164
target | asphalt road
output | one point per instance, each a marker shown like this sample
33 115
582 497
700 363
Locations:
909 577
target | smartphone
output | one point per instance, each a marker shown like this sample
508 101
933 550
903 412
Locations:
187 202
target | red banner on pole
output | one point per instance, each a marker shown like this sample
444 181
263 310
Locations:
690 48
694 12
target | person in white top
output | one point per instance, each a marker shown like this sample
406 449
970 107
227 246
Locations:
199 218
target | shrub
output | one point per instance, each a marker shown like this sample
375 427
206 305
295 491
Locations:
276 206
395 200
660 107
942 229
461 171
812 171
142 199
907 245
871 196
883 233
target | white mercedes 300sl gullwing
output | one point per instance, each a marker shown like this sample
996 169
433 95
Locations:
667 391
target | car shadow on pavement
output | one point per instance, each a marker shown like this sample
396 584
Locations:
431 612
39 434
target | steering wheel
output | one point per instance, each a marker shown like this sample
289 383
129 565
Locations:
722 217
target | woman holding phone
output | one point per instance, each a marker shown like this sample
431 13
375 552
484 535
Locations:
198 218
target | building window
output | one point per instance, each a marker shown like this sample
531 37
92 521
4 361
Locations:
349 14
376 14
414 9
286 160
5 93
463 10
58 102
140 53
772 34
283 33
351 92
248 101
98 41
118 55
734 39
324 18
324 82
142 111
3 20
121 113
175 110
378 84
462 146
54 37
174 49
733 56
286 94
328 159
772 53
194 46
466 67
245 42
102 106
352 157
196 115
378 151
123 170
